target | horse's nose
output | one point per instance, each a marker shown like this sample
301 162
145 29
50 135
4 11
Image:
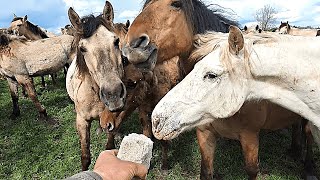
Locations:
140 42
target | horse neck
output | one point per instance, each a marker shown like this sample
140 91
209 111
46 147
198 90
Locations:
29 34
290 81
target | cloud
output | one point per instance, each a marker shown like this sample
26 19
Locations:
128 15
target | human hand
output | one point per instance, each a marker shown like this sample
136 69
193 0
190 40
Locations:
109 167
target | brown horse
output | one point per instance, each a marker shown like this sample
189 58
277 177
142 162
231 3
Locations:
94 77
145 90
152 38
23 27
285 28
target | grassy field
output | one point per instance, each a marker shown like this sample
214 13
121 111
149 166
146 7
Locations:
30 149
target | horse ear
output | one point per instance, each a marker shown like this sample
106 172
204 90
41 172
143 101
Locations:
281 22
25 18
108 14
287 22
245 28
235 40
257 27
127 24
75 19
14 15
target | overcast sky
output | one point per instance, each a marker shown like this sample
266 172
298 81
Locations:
52 14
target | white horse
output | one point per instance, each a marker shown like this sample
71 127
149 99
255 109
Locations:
234 71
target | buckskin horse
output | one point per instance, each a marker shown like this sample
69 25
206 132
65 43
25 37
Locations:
23 27
285 28
94 79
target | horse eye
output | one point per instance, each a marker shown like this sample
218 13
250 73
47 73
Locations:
116 43
82 49
176 4
210 76
131 84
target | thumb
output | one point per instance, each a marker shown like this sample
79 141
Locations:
140 171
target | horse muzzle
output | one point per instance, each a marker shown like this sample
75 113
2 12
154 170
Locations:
114 97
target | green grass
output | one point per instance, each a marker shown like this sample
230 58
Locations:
31 149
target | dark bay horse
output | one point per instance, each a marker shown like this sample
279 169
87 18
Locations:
94 77
153 39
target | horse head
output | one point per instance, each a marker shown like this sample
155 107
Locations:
99 55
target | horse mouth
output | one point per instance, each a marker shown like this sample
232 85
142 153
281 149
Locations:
173 134
150 63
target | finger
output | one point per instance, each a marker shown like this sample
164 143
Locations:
113 152
140 171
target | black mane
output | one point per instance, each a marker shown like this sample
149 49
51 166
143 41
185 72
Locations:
35 29
204 18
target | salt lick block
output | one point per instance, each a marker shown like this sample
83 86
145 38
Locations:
136 148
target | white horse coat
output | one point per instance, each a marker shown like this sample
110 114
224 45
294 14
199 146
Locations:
282 69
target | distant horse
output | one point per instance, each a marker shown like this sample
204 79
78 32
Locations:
23 27
94 77
20 60
68 30
285 28
234 72
255 29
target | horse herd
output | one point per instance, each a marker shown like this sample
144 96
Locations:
223 84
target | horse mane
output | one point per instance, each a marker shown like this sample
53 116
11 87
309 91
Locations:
33 28
36 30
205 17
206 43
90 24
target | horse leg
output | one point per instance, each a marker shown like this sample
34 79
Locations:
43 83
207 142
83 128
53 77
29 86
309 165
110 141
250 147
296 147
13 86
145 121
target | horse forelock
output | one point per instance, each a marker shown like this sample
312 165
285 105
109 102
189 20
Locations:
16 19
203 17
90 24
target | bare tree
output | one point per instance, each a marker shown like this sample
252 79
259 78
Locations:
266 17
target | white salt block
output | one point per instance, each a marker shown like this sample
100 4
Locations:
136 148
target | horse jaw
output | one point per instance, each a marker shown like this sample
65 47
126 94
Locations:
184 108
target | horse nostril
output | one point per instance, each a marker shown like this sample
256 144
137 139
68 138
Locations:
110 126
142 41
155 123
